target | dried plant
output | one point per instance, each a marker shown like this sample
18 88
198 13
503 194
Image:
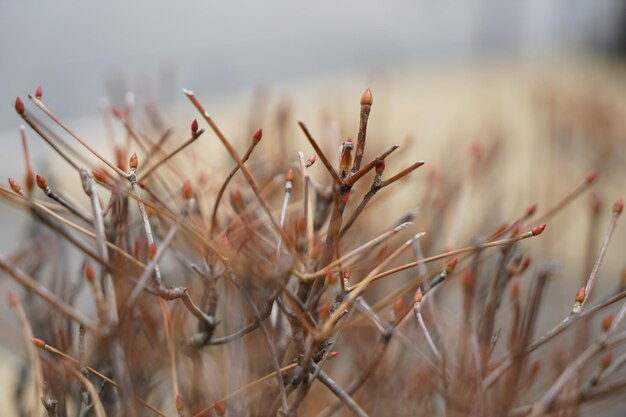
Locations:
294 298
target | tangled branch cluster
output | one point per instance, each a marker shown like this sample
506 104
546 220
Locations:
274 304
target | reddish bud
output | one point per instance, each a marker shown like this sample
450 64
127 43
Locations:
317 250
417 297
15 186
289 176
88 272
331 278
236 201
19 106
450 266
367 99
515 288
120 156
581 295
347 273
345 197
606 322
194 127
537 230
41 182
324 311
531 210
143 184
39 92
333 355
618 206
311 160
476 149
179 403
187 191
219 408
380 167
11 299
256 138
399 306
382 252
591 176
152 249
605 360
525 264
516 229
99 175
300 225
133 163
534 369
467 281
39 343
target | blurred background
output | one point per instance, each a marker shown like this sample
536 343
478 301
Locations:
544 76
82 53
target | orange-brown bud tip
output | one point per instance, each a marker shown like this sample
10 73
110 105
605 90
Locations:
324 311
219 408
516 229
606 322
580 295
179 403
99 175
618 206
399 307
152 249
367 99
534 369
333 354
89 273
525 264
347 273
380 167
39 343
133 163
289 176
591 176
41 182
39 92
311 160
537 230
257 136
467 281
11 298
531 210
15 186
417 297
194 127
187 191
450 266
606 359
515 288
19 106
